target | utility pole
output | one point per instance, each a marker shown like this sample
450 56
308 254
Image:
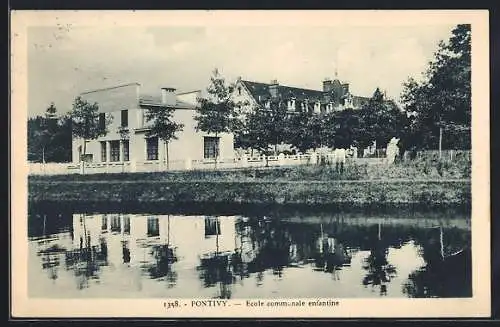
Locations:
440 140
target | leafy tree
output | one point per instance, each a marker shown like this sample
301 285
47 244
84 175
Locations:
344 127
61 143
380 120
216 113
277 123
163 126
441 102
268 126
86 124
307 130
255 135
49 137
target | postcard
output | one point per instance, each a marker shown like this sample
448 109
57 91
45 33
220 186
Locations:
291 164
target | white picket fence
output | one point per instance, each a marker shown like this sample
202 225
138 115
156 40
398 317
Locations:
173 165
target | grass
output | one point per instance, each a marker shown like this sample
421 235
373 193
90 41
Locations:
425 182
428 168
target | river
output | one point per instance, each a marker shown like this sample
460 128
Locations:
254 254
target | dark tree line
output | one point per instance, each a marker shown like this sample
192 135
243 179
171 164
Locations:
439 106
268 126
49 137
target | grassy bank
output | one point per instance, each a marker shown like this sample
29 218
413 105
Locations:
427 168
422 182
256 192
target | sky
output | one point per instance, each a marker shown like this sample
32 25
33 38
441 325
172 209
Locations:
64 61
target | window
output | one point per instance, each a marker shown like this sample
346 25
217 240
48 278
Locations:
103 151
153 227
152 148
125 150
115 150
102 120
126 225
210 147
212 226
239 90
104 223
124 118
116 226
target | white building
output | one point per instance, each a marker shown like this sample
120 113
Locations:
126 106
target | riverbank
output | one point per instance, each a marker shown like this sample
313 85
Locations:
342 192
419 182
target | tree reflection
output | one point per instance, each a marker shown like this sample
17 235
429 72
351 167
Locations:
272 243
219 268
164 254
379 270
87 260
331 255
447 269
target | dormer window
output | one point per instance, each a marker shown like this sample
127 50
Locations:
317 107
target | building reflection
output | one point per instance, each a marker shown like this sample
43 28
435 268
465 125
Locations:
226 251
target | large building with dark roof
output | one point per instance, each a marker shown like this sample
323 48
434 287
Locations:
334 96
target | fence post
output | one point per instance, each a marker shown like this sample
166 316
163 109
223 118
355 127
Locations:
314 158
244 160
281 159
189 164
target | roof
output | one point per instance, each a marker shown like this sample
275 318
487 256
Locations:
358 100
110 88
257 89
153 100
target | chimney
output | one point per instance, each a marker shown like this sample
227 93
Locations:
273 88
168 96
327 85
345 88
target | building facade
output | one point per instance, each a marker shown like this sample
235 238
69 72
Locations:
334 96
126 140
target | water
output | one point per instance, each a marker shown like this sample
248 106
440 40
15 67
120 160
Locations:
278 255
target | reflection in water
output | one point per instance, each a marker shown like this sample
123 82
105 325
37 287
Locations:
237 256
379 270
443 274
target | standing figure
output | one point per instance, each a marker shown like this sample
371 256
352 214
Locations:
339 157
392 150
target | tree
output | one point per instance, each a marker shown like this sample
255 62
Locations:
61 143
87 124
341 128
163 127
441 102
255 135
379 121
307 131
216 113
267 126
49 137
